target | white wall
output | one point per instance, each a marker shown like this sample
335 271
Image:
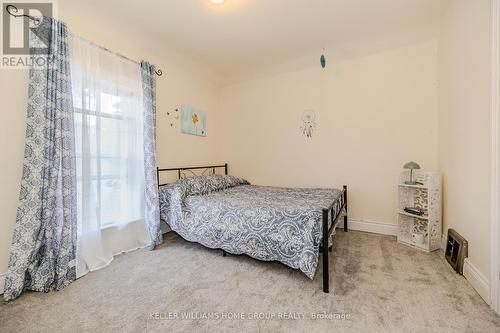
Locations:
464 124
374 113
181 83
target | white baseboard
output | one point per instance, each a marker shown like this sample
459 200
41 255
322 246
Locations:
478 281
373 227
2 282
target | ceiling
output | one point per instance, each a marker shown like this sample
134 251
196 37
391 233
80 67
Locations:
246 34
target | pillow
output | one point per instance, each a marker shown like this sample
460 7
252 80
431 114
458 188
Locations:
208 184
165 193
171 193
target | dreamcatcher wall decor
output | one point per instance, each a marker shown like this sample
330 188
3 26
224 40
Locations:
308 123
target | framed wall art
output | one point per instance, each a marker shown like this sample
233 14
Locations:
193 121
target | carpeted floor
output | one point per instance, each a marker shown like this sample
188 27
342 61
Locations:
377 285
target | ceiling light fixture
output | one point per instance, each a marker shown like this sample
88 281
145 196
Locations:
217 1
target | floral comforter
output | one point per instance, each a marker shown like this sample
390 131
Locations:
266 223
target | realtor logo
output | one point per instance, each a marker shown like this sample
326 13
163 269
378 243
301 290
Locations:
19 19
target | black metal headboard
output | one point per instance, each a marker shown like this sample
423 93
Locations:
181 172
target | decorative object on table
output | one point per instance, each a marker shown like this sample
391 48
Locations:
308 123
322 61
412 166
419 210
193 121
173 117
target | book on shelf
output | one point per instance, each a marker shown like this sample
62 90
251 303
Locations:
414 211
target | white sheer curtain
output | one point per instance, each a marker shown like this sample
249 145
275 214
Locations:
107 96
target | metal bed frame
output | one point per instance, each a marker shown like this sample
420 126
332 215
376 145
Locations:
336 209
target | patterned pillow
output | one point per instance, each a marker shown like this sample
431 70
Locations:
208 184
165 193
194 186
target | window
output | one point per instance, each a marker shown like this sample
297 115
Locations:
107 97
108 120
102 116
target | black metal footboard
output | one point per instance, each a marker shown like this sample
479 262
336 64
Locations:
336 209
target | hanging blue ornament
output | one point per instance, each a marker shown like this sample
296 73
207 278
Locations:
322 61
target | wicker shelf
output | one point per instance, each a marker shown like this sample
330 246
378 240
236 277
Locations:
426 197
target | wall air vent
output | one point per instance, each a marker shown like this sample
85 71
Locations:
456 250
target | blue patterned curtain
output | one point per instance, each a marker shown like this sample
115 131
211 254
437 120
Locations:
152 213
43 245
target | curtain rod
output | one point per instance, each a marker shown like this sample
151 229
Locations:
12 10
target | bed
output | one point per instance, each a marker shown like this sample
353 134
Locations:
290 225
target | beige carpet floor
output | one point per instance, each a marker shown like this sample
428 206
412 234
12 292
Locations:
377 285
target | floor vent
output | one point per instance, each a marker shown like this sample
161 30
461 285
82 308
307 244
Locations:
456 250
